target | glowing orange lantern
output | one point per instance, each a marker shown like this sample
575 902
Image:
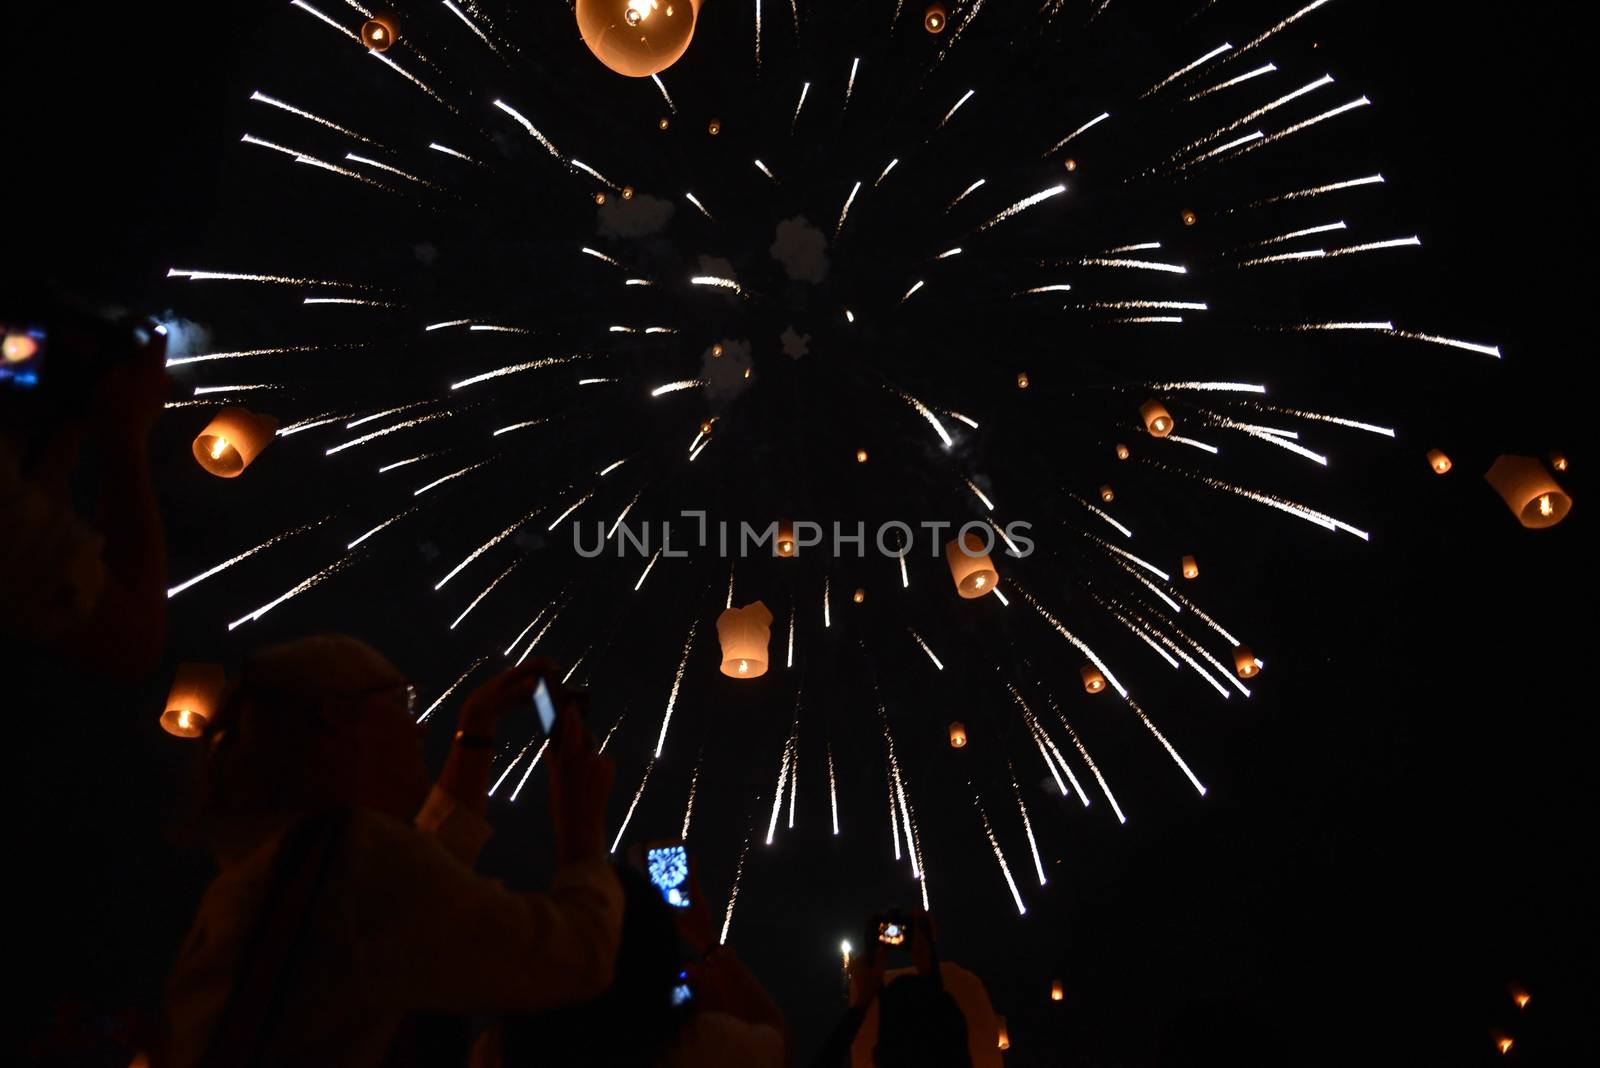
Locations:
861 456
958 735
1022 380
859 596
1558 460
1093 681
1004 1035
714 127
1438 461
1190 568
1503 1044
1107 494
1529 491
716 351
970 568
378 33
934 20
599 198
1070 163
1122 452
705 426
627 192
1058 992
664 123
1245 663
637 38
786 546
1520 996
744 634
196 692
1157 420
233 438
1190 218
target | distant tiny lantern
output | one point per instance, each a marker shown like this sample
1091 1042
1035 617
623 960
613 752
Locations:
786 546
714 127
1022 380
378 33
934 20
970 568
1439 462
1004 1041
664 123
599 198
1093 681
637 38
861 456
705 426
1503 1044
1190 218
196 692
1190 568
1107 494
1558 460
744 634
1122 452
627 192
1058 992
233 438
958 735
1529 491
1156 419
1244 662
1070 164
1520 996
859 596
716 351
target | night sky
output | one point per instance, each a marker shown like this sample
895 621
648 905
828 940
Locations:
1397 825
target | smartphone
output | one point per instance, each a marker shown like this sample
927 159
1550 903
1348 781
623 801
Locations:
894 928
682 993
667 864
21 356
545 706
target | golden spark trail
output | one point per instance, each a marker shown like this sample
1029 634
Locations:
1023 205
918 637
516 368
262 98
1181 71
733 894
1027 824
437 701
486 591
688 809
219 568
1077 642
485 547
1097 120
955 108
677 682
648 768
452 476
1005 869
531 765
315 580
1268 69
511 766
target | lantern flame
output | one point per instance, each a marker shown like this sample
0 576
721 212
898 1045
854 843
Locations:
219 447
1545 507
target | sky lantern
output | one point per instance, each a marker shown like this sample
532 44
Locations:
958 735
1157 420
786 545
1022 380
934 20
1058 991
1004 1036
1107 494
233 438
1558 460
1093 681
1122 451
637 38
861 456
744 634
970 568
1438 461
1245 662
714 127
1190 568
378 33
859 596
196 692
1189 217
1529 491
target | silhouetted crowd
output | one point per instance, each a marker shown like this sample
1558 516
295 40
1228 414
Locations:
344 923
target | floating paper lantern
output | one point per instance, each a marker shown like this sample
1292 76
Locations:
637 38
1190 568
196 692
1093 681
233 438
705 426
1558 460
1058 992
1190 218
934 20
1107 494
1439 461
1520 996
1157 420
1070 164
1529 491
859 596
664 123
599 198
1122 452
1022 380
970 568
744 634
378 33
627 192
861 456
1503 1044
716 351
714 127
958 735
786 546
1244 662
1004 1036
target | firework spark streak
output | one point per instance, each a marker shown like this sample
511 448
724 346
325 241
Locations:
450 690
833 791
1000 857
263 98
844 214
522 120
925 649
1268 69
955 108
531 765
1097 120
509 767
294 591
1027 824
677 682
777 793
637 794
1180 72
1023 205
219 568
1077 642
688 808
733 893
516 368
964 194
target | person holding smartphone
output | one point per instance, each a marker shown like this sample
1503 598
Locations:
346 905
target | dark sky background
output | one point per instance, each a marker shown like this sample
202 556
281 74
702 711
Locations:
1396 825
